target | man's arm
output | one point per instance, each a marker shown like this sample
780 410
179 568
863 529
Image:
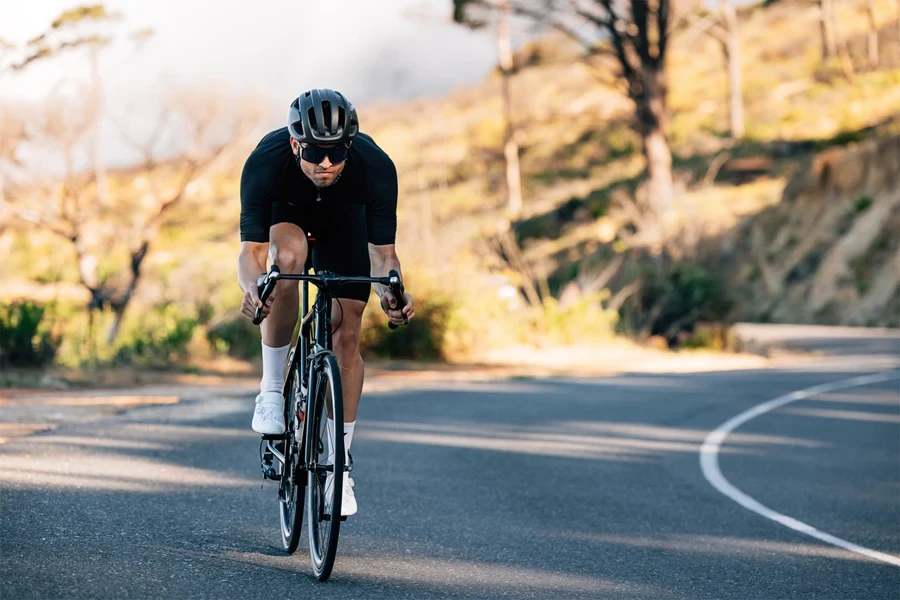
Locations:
383 260
251 264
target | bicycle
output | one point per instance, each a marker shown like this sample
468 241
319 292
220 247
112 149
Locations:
312 391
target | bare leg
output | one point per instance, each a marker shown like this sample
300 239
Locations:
347 317
288 250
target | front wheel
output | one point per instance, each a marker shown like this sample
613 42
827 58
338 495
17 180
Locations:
323 517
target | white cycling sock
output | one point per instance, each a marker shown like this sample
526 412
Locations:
273 361
329 425
348 439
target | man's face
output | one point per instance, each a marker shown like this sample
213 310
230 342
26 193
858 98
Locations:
323 174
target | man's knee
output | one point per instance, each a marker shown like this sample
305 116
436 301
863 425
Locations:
288 248
348 318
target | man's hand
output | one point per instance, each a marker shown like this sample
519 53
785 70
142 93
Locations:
389 306
251 302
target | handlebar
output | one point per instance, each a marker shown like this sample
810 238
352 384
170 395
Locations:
266 285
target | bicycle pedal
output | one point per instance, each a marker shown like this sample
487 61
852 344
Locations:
274 436
269 471
343 517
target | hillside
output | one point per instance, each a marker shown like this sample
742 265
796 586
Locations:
829 252
799 218
582 165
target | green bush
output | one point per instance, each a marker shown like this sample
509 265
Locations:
26 339
862 203
672 300
237 337
423 339
584 320
159 340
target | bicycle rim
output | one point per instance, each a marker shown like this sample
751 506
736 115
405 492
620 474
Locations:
291 495
322 527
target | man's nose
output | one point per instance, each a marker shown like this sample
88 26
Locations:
326 162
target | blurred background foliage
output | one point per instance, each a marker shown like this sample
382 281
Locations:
794 217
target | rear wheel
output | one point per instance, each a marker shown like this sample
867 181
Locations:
323 517
292 492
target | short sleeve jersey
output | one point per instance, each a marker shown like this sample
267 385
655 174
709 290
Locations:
271 176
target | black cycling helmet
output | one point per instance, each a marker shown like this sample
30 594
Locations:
323 117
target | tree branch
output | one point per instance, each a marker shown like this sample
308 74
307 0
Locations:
617 36
556 24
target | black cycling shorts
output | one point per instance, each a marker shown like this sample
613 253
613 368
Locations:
341 241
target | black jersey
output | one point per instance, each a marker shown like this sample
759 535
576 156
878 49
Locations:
271 177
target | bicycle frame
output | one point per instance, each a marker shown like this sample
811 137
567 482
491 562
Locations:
313 343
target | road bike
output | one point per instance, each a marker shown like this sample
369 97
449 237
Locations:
298 459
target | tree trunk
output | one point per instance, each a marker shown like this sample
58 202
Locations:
652 114
113 331
842 50
121 303
510 144
873 33
826 22
733 63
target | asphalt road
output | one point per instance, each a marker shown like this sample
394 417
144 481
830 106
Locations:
554 488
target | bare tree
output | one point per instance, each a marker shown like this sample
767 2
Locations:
636 34
832 43
501 9
723 27
76 205
873 33
826 25
70 207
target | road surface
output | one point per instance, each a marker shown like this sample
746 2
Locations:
551 488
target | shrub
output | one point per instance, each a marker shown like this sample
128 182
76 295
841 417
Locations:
25 338
423 339
672 300
583 320
237 337
862 203
160 340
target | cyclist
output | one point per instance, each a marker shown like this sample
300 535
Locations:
320 176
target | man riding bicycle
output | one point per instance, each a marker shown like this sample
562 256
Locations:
319 176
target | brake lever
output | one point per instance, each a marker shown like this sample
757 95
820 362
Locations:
266 285
398 292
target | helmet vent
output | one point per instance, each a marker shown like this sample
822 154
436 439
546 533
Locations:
323 117
326 113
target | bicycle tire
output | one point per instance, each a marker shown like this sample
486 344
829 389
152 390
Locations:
293 488
323 528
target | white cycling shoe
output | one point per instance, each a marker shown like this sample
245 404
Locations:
268 418
348 499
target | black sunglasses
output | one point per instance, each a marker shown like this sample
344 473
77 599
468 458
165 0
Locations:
316 154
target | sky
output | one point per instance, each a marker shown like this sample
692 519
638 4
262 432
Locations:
370 50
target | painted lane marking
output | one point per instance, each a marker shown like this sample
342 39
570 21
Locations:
709 462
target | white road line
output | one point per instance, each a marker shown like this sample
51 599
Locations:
709 462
